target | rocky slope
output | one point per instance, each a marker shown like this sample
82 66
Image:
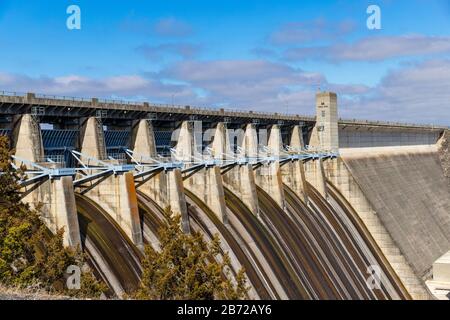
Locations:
444 150
16 294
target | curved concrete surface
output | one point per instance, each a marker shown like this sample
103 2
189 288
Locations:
408 190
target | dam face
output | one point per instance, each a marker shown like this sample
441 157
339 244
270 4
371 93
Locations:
312 208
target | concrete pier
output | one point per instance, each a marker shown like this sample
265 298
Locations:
116 194
249 143
314 173
93 139
241 181
293 173
268 176
166 187
143 139
63 210
176 197
55 198
207 182
241 178
27 139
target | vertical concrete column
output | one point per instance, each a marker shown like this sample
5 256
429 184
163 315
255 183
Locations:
269 178
27 139
189 141
117 196
293 175
269 175
128 213
56 197
64 211
315 175
55 200
117 193
208 186
250 141
93 139
294 172
275 143
144 139
241 178
220 145
165 188
207 183
176 197
296 141
144 145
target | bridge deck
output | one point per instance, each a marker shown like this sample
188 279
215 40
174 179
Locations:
54 106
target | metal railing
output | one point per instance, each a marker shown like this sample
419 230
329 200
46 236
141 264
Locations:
245 112
390 123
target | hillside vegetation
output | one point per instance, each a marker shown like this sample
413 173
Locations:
31 257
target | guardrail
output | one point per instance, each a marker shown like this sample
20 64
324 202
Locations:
389 123
160 107
55 99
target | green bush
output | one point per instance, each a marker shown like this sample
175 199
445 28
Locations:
30 255
186 268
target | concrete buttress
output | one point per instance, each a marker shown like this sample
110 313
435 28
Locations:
166 187
207 182
293 172
116 194
269 176
54 197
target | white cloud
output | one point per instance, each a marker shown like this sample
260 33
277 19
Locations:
310 31
161 51
172 27
257 84
412 93
373 49
126 86
166 27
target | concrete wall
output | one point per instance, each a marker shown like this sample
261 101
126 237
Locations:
352 136
411 196
337 172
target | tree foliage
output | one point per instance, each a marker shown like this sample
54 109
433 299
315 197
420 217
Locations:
187 267
30 255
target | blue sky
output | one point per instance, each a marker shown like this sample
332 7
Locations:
261 55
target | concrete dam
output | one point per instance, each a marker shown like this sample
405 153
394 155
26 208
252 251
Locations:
311 207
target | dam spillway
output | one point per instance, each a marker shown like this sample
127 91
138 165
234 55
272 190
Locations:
307 206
